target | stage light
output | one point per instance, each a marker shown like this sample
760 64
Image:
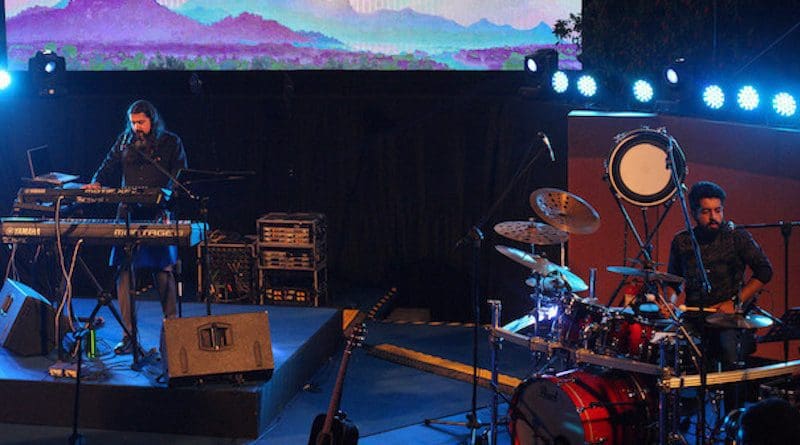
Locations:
671 76
747 98
784 104
46 69
5 79
560 82
530 65
540 67
713 97
643 91
587 86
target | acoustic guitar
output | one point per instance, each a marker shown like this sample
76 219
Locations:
333 427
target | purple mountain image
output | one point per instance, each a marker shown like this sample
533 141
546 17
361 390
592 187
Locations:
144 21
260 34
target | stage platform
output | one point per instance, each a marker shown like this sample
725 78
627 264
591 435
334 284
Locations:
113 396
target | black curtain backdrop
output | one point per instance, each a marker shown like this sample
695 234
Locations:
401 163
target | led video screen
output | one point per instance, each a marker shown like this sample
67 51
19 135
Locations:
101 35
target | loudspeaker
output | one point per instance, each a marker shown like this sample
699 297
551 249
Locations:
27 320
214 346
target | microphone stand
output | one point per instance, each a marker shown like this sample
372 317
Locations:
786 232
204 221
474 237
706 291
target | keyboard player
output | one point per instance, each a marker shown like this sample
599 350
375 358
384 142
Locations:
131 161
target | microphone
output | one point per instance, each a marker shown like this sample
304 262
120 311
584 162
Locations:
729 225
546 141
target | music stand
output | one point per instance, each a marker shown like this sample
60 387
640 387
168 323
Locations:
187 178
787 329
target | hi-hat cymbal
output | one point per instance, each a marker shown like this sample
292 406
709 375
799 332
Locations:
558 278
739 321
647 275
565 211
530 232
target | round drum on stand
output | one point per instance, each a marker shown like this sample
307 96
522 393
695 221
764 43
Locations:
638 167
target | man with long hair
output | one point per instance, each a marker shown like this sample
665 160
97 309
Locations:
131 162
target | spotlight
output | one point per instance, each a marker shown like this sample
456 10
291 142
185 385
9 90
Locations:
46 69
560 82
747 98
671 76
784 104
540 67
676 73
643 91
5 79
587 85
713 97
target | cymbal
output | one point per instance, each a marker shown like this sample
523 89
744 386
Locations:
565 211
739 321
557 278
531 232
533 262
648 275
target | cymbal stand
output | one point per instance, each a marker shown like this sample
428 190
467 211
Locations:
497 345
706 289
645 245
474 237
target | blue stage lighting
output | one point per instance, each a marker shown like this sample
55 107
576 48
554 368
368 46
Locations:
5 79
747 98
587 86
560 82
713 97
642 91
784 104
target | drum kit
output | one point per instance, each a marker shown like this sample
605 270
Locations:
611 375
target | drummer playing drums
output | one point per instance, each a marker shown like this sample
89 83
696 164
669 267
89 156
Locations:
726 252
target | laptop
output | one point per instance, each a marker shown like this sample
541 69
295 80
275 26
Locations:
41 169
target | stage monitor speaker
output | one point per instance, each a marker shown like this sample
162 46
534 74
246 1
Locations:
26 320
218 346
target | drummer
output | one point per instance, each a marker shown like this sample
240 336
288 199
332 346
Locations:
726 253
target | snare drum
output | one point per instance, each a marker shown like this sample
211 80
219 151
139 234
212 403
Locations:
582 407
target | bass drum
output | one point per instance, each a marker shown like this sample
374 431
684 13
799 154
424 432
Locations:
580 407
638 167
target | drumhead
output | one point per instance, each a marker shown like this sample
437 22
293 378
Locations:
637 167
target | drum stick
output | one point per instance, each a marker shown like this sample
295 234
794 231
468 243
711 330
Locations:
685 308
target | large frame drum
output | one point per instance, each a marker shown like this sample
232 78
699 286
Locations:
638 166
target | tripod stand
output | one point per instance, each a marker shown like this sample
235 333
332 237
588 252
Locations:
475 237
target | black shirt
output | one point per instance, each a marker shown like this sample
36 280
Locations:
725 255
166 150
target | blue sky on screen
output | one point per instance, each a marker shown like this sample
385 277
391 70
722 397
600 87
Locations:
287 34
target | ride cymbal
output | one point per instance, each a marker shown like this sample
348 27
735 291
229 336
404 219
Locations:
647 275
530 232
739 321
565 211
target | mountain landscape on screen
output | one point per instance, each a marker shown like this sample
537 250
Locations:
266 34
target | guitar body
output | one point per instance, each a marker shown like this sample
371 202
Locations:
343 432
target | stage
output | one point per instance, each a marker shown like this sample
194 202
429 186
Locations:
113 396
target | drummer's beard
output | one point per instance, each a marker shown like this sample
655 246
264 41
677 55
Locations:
707 232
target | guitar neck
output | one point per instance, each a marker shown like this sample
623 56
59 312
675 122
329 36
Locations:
336 396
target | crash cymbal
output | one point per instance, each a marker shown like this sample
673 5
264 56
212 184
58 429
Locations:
557 278
739 321
565 211
533 262
647 275
530 232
